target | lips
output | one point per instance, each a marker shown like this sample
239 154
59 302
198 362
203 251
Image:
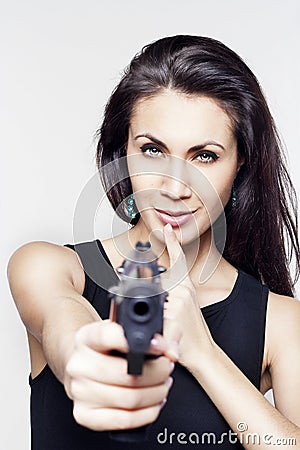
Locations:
174 213
175 218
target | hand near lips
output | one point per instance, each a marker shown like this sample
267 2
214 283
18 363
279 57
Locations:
182 306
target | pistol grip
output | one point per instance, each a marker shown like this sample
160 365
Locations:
135 362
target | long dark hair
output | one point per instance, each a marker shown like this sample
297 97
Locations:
262 231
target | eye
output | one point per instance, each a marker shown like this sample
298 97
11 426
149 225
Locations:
207 157
150 150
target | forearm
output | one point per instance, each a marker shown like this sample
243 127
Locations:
239 401
59 328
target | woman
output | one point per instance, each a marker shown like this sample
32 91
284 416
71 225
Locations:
191 121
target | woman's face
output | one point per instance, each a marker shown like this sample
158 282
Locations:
182 157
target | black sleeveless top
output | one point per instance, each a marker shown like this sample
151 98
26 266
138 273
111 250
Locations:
189 417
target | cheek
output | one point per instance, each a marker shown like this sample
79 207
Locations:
144 182
223 177
217 192
224 191
146 189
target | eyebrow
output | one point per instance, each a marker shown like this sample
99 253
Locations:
190 150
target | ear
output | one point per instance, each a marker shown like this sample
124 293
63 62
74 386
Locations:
241 162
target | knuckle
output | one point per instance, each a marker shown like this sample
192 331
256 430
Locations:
153 414
75 389
80 336
80 414
73 367
68 391
70 369
135 400
89 417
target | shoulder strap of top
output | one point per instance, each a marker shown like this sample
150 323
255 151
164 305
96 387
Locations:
95 263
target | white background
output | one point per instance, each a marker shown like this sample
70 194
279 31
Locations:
59 62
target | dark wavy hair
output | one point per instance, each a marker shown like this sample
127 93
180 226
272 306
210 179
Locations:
262 230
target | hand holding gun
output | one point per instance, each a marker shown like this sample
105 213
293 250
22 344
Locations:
137 304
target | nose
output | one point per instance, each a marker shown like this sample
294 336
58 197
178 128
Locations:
174 182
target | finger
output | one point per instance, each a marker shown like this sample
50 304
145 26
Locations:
108 369
102 336
115 419
99 395
178 271
172 334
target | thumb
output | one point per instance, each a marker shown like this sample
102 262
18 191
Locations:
102 336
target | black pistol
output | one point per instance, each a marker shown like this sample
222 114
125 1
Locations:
137 303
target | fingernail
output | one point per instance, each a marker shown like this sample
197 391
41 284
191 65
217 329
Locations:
169 382
172 365
157 344
162 404
154 342
169 229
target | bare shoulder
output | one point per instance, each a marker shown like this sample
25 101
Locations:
283 307
283 339
38 273
283 324
35 258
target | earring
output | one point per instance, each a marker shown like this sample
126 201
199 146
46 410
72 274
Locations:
130 207
234 198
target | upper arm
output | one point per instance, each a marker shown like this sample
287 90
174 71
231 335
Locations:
283 335
40 274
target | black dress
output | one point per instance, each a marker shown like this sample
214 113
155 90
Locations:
189 419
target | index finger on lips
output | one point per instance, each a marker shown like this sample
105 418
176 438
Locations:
178 271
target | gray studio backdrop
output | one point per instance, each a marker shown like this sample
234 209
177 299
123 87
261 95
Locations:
59 62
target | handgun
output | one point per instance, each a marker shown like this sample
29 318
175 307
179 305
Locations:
137 304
